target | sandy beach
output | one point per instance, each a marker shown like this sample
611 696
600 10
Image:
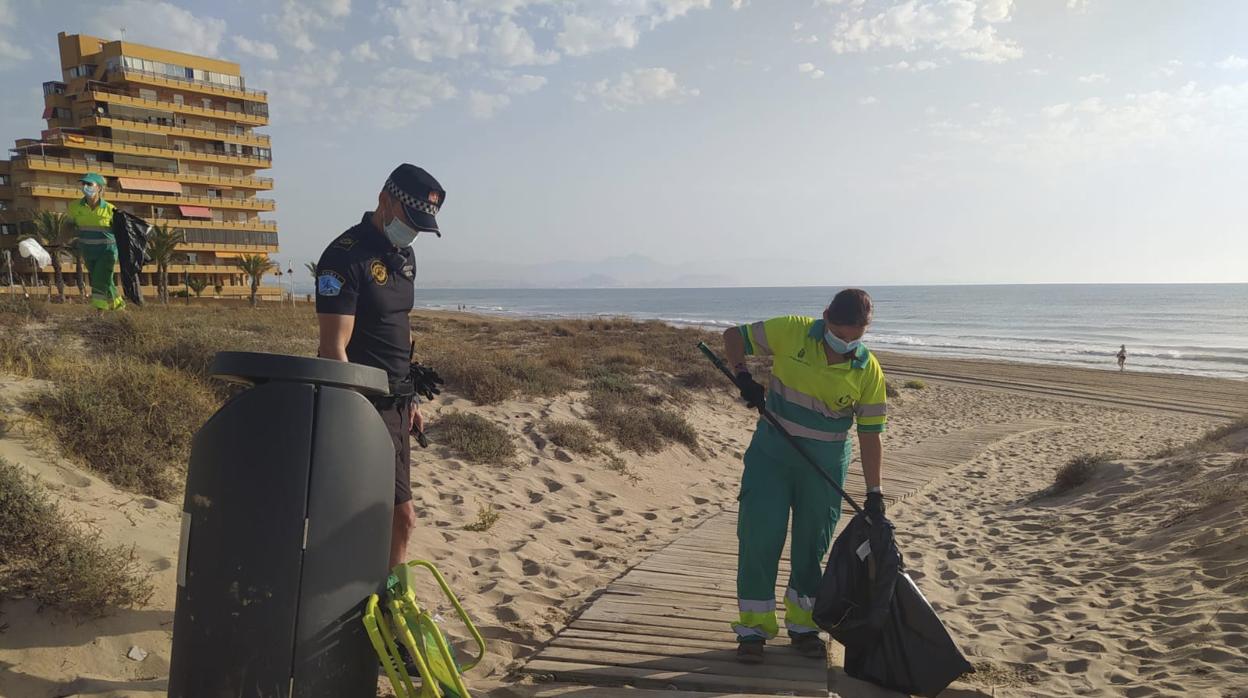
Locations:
1131 584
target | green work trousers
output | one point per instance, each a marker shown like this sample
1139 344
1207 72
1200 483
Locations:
100 260
778 481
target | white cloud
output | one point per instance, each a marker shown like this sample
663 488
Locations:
1186 120
915 67
160 24
1232 62
995 10
1093 78
914 24
259 49
10 53
364 52
810 69
583 35
430 29
868 100
483 106
1035 71
513 45
522 84
636 88
738 4
337 8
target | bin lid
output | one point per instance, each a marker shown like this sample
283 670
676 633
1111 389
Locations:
250 368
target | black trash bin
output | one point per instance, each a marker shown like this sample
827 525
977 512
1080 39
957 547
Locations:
285 532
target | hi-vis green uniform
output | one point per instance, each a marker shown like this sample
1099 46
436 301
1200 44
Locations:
99 250
816 402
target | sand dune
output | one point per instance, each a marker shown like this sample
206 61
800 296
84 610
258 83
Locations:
1085 593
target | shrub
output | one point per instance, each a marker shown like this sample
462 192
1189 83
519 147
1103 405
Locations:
474 437
891 390
129 420
486 518
56 563
637 424
533 378
478 380
674 426
702 378
914 384
1079 471
574 436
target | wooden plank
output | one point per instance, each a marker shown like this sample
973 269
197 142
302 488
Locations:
777 656
644 677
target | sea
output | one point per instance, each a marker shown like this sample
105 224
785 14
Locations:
1199 329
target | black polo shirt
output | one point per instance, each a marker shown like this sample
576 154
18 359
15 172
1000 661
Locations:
362 274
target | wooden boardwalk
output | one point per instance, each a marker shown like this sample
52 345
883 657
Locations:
665 624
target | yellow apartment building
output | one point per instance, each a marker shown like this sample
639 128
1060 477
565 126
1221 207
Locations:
175 136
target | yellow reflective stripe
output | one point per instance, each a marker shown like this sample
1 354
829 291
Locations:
810 402
757 623
871 410
796 429
798 612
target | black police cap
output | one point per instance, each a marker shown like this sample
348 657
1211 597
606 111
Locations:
419 193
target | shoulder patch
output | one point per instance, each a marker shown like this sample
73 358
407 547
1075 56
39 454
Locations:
345 242
329 283
378 271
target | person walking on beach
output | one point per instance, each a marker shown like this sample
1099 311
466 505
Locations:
1122 358
823 379
94 218
365 289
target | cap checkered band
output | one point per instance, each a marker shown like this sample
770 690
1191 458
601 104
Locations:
410 201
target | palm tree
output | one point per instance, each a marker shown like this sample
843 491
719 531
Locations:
254 266
162 245
197 284
56 232
311 267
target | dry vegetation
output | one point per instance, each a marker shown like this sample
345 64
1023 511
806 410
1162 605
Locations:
58 563
1079 470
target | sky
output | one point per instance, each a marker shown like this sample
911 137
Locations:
750 142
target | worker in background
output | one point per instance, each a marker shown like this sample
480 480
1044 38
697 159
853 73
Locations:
94 218
1122 358
823 379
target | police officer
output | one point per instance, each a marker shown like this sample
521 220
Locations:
364 291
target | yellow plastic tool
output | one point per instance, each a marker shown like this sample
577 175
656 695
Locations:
400 620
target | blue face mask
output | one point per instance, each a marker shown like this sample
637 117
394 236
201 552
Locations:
840 346
399 233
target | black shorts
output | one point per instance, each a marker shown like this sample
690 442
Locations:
397 415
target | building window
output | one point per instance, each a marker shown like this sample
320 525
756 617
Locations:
53 88
6 228
149 95
4 206
4 180
79 71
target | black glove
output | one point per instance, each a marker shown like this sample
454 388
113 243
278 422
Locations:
875 503
425 381
754 394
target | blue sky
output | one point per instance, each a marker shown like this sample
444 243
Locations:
758 142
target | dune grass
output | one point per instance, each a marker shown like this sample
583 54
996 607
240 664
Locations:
475 438
1079 471
58 563
914 384
576 437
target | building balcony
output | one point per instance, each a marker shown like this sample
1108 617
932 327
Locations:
77 167
190 224
91 143
180 83
254 139
112 95
62 191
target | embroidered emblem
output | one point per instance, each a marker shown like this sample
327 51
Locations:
379 272
329 283
345 242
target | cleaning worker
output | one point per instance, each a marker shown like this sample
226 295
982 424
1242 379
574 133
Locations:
365 288
94 218
823 379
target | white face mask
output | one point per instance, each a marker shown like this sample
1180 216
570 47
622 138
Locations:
838 345
88 190
399 233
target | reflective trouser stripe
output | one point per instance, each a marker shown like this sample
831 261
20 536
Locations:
797 612
756 619
796 429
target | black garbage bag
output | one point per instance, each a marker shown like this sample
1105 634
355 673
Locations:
131 232
891 634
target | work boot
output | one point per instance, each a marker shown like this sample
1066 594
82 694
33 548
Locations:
750 652
810 645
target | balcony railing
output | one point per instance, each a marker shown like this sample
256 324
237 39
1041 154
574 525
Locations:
158 150
190 224
163 78
176 130
67 192
229 237
117 170
108 94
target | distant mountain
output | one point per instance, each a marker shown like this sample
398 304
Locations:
632 271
